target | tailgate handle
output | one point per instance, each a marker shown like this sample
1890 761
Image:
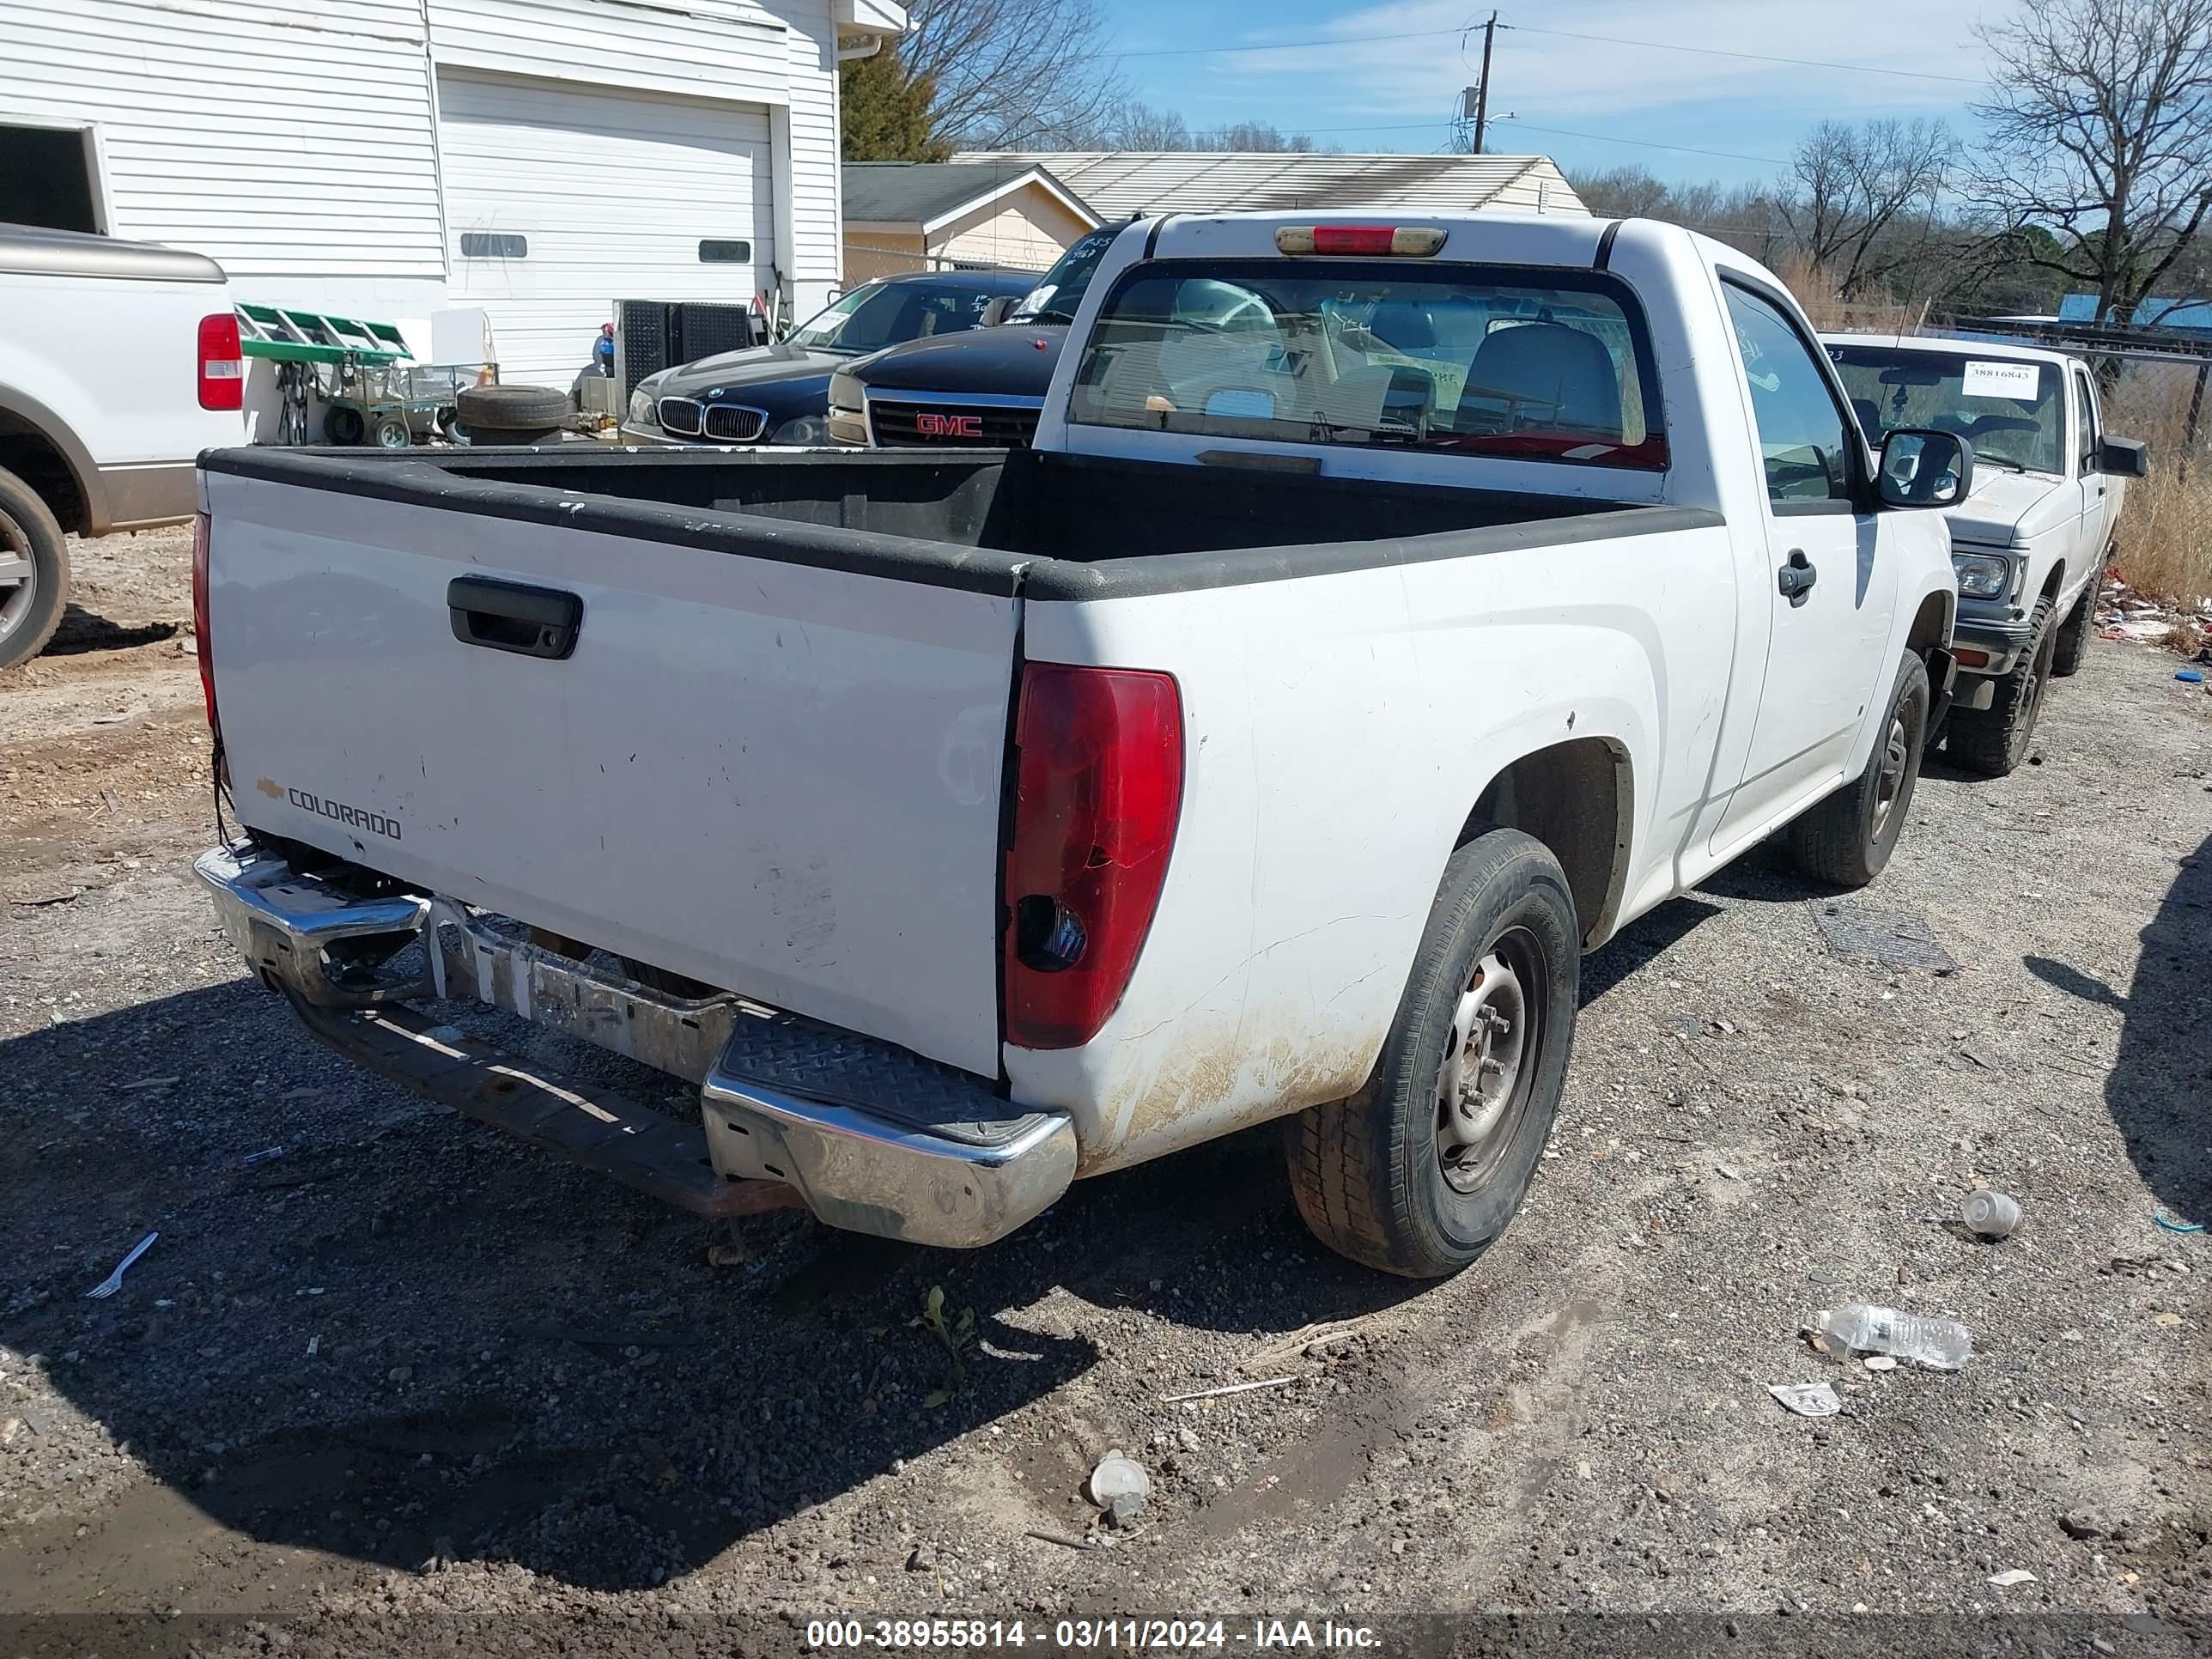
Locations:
530 622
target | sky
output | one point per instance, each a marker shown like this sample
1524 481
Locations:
1724 118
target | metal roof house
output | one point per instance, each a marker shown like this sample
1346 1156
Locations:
1120 182
929 215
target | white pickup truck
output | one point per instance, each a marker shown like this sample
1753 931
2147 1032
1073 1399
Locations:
1267 742
119 363
2032 543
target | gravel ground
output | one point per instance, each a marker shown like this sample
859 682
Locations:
388 1381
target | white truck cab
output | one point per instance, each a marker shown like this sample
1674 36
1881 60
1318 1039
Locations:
2031 543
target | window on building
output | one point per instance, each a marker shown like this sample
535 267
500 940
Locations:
726 253
47 178
494 245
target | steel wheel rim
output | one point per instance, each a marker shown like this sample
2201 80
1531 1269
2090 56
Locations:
1490 1063
19 576
1891 782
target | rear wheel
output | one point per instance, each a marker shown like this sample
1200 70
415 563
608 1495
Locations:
1846 839
1421 1170
390 433
34 572
1993 741
345 426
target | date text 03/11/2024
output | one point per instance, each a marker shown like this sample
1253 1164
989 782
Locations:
1165 1635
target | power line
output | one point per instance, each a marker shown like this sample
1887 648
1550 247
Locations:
1562 34
1288 45
1640 143
1750 56
1384 126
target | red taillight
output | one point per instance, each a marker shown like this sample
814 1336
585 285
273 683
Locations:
1098 789
1402 241
222 363
200 615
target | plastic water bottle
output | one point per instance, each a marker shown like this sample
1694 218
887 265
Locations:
1942 1345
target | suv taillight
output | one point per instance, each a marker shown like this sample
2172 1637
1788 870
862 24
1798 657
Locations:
1098 788
222 363
200 615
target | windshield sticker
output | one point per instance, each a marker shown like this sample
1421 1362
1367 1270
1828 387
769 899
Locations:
1988 379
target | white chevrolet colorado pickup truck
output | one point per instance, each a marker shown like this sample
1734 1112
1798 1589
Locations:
119 361
1267 742
2032 543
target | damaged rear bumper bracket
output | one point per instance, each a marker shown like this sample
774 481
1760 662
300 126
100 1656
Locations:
871 1137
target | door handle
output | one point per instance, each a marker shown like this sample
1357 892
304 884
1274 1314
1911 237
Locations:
503 615
1795 579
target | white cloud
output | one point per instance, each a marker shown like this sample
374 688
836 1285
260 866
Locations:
1545 77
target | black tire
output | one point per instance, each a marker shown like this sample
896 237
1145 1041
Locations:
2074 632
1370 1173
30 608
389 433
1993 741
344 427
512 408
1846 839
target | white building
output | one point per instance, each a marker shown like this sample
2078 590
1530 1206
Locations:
388 158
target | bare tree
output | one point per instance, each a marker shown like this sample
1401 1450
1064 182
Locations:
1141 127
1259 136
2099 132
1135 126
1626 193
1854 187
1012 74
1745 215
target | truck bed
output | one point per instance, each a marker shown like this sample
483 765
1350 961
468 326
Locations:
768 753
1016 522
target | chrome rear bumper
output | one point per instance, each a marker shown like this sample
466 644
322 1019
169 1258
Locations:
874 1139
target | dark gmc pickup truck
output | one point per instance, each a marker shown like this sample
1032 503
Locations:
981 390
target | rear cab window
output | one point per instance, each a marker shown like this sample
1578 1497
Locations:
1477 360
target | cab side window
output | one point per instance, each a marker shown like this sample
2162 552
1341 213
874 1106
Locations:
1804 436
2092 440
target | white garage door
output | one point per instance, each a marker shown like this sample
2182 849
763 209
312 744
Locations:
559 203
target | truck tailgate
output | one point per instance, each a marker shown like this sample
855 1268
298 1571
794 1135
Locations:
778 778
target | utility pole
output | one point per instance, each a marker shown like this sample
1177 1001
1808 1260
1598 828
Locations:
1482 85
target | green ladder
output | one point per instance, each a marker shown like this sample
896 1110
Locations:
289 335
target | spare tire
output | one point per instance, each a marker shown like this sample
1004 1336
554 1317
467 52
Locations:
511 414
512 408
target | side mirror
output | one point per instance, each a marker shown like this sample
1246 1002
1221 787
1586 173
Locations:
995 313
1921 467
2125 457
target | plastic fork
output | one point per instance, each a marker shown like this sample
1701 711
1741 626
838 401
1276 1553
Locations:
113 1282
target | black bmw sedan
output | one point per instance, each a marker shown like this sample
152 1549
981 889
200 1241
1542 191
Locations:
778 394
